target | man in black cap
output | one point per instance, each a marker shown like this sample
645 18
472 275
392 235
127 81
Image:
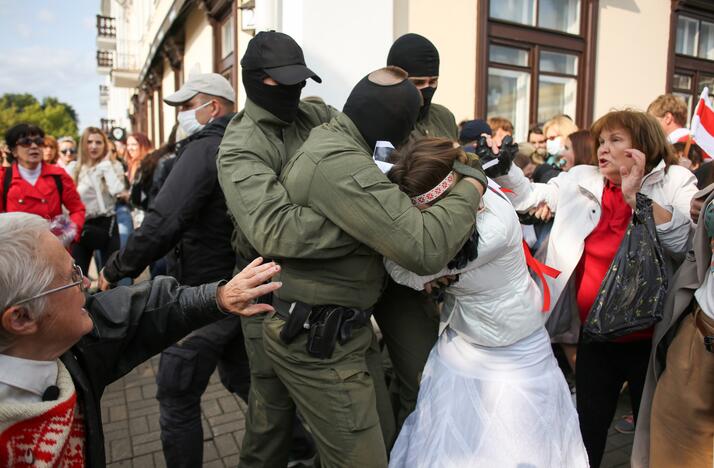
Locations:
417 56
253 153
320 333
408 319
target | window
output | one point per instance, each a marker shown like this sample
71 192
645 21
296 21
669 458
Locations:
538 62
224 37
695 38
227 38
559 15
692 60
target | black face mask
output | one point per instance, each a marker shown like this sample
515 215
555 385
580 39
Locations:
418 57
426 94
282 101
383 112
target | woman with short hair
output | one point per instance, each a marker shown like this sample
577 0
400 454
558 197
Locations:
61 348
33 186
593 208
99 180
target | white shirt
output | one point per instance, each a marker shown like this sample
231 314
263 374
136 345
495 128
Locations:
495 302
30 175
676 135
99 185
705 295
25 380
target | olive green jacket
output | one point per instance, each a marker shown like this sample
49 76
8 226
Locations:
438 122
253 152
334 174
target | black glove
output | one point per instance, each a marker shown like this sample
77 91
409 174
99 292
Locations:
468 252
529 218
506 155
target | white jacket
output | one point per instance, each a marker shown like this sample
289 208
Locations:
575 197
99 185
495 302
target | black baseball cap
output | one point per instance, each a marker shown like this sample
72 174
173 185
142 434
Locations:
473 129
280 56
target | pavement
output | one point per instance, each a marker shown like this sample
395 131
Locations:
131 424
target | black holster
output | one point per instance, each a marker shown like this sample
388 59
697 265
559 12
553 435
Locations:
326 325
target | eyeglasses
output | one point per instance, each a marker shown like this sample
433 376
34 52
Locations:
68 151
27 141
77 280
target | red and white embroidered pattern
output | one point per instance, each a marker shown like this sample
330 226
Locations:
436 192
52 439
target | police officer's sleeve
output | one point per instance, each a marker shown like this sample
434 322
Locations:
263 211
354 193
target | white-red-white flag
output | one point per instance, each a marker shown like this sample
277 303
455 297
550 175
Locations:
702 127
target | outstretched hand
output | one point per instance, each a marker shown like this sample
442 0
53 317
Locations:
631 179
238 294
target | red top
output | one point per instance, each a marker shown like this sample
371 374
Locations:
43 199
600 248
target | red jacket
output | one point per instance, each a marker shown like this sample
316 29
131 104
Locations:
43 198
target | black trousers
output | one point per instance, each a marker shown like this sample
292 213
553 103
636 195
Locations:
184 371
83 255
600 371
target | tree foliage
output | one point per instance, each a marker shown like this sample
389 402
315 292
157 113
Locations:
56 118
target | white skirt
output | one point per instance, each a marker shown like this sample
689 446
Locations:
491 407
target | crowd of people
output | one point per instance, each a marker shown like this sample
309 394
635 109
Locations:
428 308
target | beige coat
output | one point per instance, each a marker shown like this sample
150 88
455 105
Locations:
684 283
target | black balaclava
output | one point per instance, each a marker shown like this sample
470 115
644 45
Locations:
383 112
282 101
418 57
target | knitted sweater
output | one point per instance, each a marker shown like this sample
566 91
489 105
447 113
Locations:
44 434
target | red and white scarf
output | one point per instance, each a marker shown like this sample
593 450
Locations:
44 434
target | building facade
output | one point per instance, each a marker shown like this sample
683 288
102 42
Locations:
526 60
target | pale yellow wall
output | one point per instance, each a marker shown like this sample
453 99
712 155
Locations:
198 55
632 47
167 88
451 26
243 39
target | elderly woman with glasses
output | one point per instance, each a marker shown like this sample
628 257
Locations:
59 349
32 186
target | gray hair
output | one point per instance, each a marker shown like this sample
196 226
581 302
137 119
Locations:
23 273
67 138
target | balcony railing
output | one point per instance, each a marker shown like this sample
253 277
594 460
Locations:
105 61
107 124
106 27
103 95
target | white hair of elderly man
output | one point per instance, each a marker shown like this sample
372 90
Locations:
23 273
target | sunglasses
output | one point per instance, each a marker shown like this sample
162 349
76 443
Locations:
68 151
28 141
77 280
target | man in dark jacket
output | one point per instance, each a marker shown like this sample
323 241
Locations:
189 216
59 349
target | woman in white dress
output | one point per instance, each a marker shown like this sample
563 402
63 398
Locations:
491 393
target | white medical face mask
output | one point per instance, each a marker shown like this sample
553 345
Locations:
554 146
188 122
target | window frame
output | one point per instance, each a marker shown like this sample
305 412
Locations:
681 64
534 40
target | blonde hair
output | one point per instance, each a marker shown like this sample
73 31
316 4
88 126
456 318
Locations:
562 124
83 158
672 104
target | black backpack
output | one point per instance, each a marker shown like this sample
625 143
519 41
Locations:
7 180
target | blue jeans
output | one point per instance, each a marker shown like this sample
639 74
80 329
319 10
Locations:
126 227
